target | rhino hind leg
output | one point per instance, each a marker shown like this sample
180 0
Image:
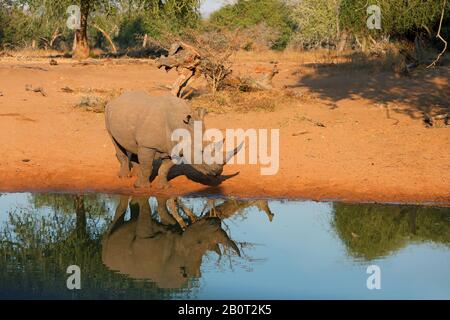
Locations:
124 159
145 157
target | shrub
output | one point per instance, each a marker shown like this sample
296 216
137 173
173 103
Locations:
246 14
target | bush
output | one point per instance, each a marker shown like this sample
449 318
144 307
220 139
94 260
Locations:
317 21
13 27
399 18
216 50
125 21
247 14
130 31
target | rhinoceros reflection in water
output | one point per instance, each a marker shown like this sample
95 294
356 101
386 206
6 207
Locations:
170 251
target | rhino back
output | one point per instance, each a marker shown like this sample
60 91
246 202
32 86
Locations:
154 258
138 119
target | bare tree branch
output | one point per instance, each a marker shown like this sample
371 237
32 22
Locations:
106 35
440 37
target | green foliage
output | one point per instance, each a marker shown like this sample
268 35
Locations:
131 29
126 20
317 20
156 19
270 23
373 231
38 243
245 14
9 33
398 17
322 21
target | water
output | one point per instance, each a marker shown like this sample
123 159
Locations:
288 249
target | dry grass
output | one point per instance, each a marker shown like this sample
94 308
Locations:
291 56
26 54
242 102
92 103
383 58
95 100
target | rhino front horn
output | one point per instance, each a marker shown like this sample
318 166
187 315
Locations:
232 153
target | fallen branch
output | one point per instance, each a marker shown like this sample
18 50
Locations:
32 68
40 90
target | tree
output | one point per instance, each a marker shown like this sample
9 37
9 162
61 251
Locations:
374 231
246 14
398 17
328 21
44 21
37 20
317 21
81 50
39 242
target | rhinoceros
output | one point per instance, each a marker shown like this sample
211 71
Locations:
144 248
141 125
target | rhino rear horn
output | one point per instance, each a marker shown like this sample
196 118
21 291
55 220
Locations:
219 145
232 153
200 114
228 243
216 249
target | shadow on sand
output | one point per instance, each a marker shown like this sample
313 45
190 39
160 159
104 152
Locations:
427 90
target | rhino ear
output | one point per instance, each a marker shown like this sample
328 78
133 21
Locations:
200 114
188 119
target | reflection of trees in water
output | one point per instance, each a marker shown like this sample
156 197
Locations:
36 248
372 231
39 242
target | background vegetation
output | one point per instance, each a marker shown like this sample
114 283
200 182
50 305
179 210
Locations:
375 231
39 242
273 24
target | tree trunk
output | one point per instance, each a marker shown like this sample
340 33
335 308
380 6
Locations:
418 48
342 41
82 45
144 42
81 223
74 43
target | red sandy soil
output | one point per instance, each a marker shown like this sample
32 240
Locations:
373 148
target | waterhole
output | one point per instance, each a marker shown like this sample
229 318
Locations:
219 248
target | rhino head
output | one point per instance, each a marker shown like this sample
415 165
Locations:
209 169
216 169
203 236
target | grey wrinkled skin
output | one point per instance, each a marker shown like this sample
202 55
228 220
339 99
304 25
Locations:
141 125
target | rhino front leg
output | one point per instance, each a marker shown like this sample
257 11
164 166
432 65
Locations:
145 157
163 171
124 160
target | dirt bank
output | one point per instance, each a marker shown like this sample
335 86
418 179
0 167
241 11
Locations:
370 145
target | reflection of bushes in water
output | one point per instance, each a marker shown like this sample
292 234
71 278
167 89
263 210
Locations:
372 231
36 249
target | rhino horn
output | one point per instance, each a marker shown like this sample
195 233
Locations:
232 153
219 145
228 243
216 249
